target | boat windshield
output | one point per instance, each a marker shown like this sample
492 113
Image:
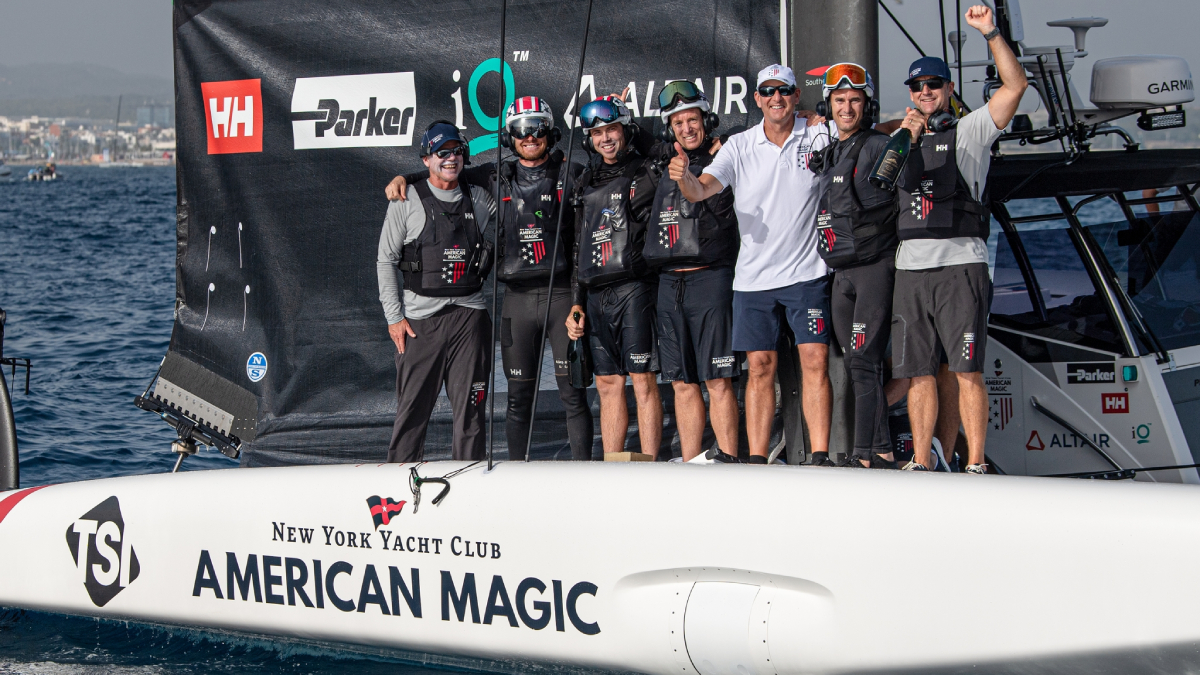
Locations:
1157 259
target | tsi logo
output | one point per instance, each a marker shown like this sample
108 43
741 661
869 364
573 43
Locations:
354 111
103 556
233 111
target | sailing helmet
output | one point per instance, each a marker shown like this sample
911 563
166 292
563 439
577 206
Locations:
847 76
528 108
604 111
680 95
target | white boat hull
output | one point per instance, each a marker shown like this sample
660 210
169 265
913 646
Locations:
654 568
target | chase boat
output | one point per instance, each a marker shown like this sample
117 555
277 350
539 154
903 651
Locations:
668 568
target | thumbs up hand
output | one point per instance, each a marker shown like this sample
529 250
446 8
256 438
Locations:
678 167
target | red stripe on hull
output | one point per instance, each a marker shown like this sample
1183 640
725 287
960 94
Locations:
15 498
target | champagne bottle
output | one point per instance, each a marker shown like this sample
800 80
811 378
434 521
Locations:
891 161
579 361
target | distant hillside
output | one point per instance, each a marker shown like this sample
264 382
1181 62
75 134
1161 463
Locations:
77 90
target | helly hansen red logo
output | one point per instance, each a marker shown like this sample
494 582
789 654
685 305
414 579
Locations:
383 508
233 111
104 559
1114 403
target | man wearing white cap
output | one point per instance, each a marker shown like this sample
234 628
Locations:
778 268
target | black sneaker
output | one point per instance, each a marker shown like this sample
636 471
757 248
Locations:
820 459
851 462
878 462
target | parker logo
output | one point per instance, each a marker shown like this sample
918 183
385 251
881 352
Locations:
233 111
104 558
1091 373
353 111
383 508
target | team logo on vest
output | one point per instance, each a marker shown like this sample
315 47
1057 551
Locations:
383 508
921 204
478 393
602 239
353 111
103 555
858 336
233 112
455 267
968 348
826 237
816 321
668 223
533 248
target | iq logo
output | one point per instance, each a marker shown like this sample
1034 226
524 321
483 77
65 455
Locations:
256 366
104 558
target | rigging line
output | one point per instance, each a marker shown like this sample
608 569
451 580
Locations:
901 27
566 166
942 13
961 42
491 431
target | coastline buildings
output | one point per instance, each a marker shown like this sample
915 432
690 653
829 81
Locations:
37 139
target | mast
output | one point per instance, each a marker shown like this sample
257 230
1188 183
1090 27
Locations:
826 33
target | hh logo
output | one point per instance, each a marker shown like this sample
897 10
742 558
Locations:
234 113
103 556
1114 403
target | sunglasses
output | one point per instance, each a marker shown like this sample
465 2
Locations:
460 150
680 90
526 128
933 83
783 89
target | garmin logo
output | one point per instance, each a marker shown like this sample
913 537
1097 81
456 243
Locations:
1091 373
353 111
1170 85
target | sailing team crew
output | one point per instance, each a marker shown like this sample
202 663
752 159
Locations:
659 276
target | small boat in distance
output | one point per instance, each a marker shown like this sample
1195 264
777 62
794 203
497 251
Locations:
47 171
5 171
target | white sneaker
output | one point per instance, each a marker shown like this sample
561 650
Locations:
978 469
940 464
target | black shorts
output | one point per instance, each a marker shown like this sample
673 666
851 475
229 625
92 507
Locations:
621 328
522 318
695 325
939 308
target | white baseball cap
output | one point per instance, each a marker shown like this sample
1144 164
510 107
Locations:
776 72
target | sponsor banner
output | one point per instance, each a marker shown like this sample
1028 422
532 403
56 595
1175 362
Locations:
289 130
1091 373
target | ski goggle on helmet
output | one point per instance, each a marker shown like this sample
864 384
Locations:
602 112
847 76
529 116
680 95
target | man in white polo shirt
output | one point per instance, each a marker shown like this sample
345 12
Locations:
778 269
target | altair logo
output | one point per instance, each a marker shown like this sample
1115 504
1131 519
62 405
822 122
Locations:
104 558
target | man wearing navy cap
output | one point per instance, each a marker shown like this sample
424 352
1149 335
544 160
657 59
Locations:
942 283
440 325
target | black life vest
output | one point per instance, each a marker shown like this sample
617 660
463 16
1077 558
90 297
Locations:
527 238
445 259
943 207
610 240
685 232
847 232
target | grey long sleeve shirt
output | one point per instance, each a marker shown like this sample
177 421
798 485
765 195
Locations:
403 224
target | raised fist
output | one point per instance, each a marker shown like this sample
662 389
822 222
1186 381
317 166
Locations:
979 17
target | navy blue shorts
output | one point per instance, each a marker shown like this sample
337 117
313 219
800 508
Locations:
756 315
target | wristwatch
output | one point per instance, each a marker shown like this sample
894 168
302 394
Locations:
987 37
